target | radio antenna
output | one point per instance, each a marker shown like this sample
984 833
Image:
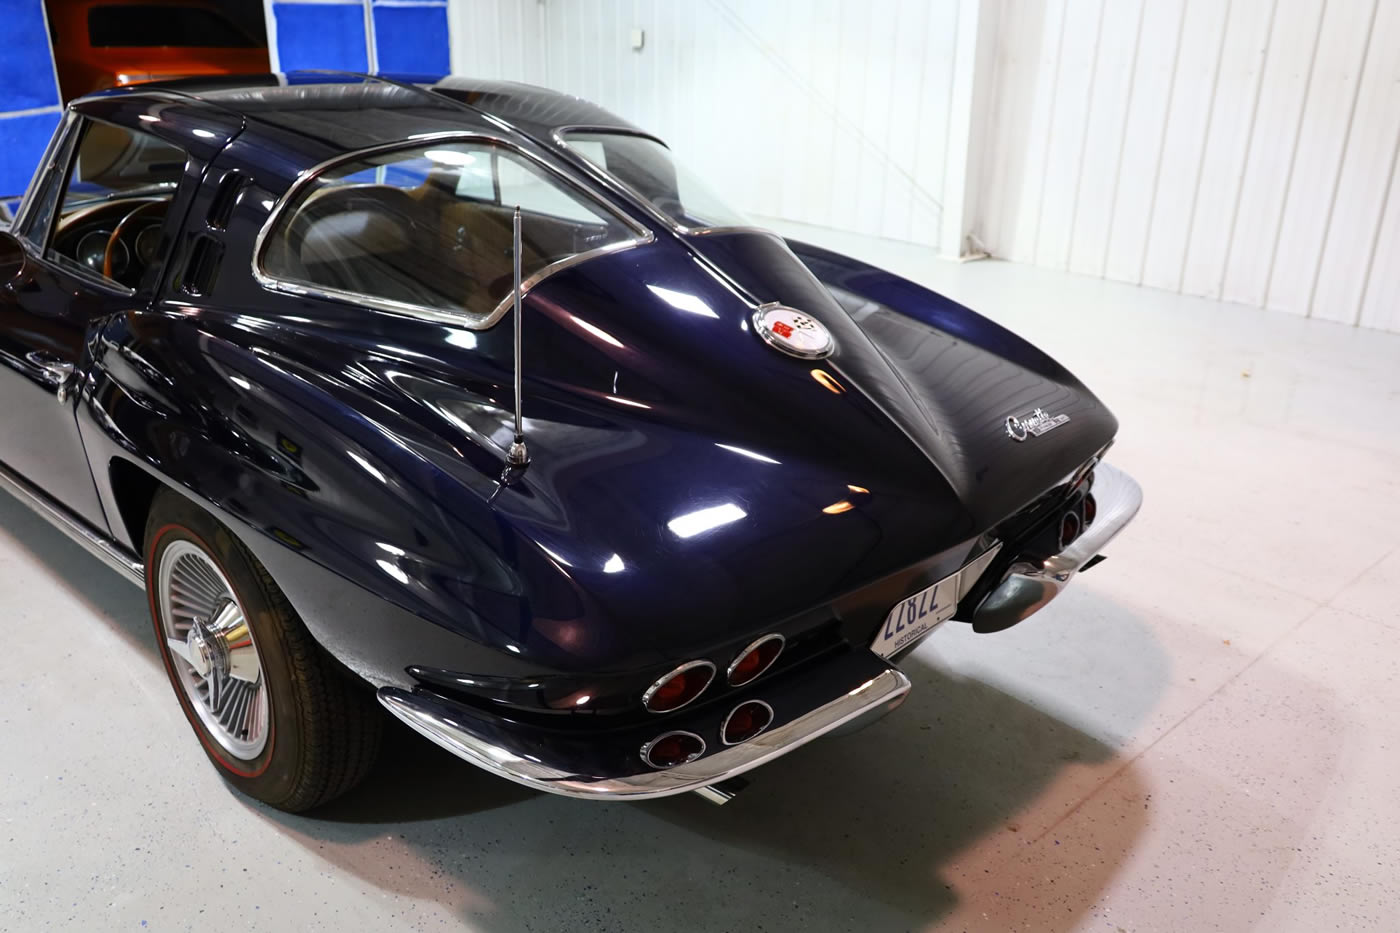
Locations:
518 456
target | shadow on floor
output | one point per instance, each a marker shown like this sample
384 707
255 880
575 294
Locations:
863 832
111 596
848 833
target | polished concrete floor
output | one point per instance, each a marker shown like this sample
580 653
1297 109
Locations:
1201 734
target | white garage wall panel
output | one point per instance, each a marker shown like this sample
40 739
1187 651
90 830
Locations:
831 112
1243 149
502 40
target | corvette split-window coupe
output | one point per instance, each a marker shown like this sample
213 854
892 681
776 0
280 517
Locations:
467 398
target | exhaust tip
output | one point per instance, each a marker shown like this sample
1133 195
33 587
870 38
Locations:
723 792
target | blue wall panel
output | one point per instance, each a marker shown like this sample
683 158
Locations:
22 141
26 67
412 39
321 35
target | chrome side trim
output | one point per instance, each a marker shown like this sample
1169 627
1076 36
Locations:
888 688
671 675
464 319
87 537
1028 588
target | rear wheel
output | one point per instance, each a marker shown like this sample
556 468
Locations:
282 720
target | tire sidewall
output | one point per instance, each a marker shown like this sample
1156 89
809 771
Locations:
271 775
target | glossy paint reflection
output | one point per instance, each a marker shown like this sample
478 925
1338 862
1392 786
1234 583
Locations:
689 485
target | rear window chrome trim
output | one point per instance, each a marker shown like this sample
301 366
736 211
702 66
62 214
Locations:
462 319
560 136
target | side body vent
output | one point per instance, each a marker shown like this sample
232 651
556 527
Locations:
203 266
221 207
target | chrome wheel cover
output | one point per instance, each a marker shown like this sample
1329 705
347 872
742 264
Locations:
212 649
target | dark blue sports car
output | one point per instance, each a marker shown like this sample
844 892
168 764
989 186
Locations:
468 398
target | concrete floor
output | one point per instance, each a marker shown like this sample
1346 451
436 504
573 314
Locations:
1199 735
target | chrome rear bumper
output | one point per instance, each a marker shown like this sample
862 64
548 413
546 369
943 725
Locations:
1027 588
442 723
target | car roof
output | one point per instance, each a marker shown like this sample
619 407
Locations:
309 117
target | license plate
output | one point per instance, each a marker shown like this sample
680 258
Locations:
914 616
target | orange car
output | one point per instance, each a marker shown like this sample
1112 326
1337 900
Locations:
104 43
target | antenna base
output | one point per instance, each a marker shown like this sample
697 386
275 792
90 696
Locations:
518 456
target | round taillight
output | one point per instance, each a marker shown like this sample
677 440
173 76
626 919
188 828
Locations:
673 748
1069 529
679 687
745 721
755 659
1091 509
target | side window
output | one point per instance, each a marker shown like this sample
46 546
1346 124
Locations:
113 203
429 229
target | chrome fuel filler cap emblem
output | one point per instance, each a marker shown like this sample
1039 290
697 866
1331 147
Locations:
793 332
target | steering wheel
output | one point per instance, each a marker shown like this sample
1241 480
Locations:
122 225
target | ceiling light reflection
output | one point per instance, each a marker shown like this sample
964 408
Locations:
369 468
461 338
682 301
596 331
614 564
747 453
393 571
836 508
694 523
450 156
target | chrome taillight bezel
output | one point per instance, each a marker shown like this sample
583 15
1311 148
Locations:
672 674
749 649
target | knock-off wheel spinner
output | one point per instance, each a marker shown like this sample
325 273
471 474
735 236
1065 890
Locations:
215 657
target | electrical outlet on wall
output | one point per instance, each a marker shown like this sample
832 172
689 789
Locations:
639 39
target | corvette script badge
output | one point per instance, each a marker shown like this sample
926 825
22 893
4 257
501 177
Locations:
793 332
1020 427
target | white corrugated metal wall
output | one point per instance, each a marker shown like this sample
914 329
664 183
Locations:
1240 149
831 112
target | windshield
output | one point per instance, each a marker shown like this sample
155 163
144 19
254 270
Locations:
646 166
117 163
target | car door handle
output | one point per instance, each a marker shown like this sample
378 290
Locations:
57 373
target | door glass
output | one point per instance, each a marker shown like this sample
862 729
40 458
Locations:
114 203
